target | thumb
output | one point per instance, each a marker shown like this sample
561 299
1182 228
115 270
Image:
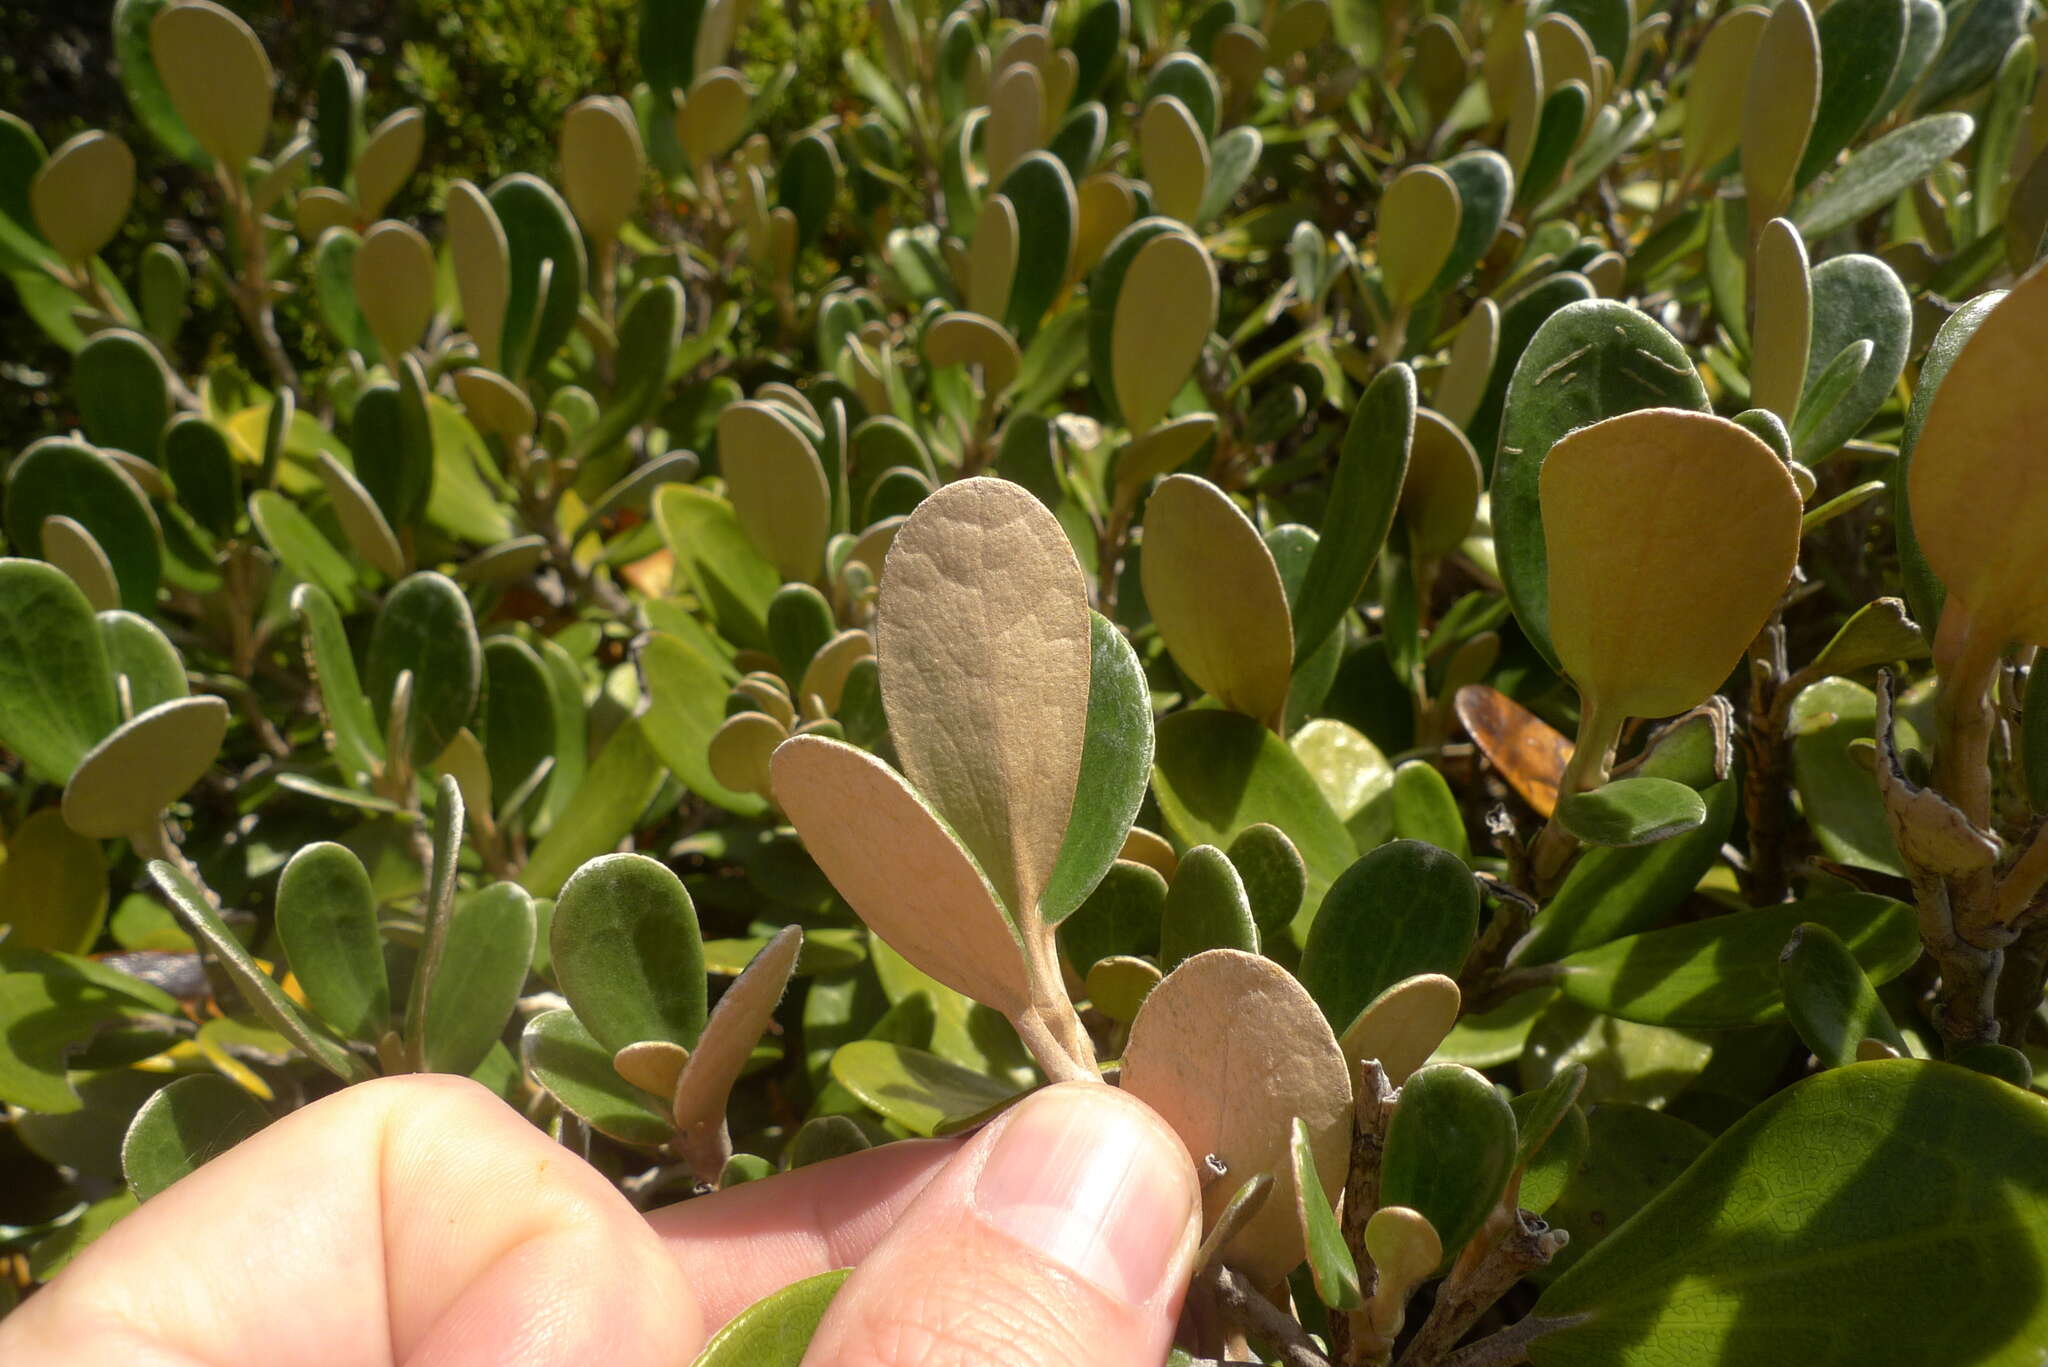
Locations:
1065 1232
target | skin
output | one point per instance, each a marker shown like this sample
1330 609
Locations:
420 1221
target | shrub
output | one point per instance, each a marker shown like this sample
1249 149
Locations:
1476 571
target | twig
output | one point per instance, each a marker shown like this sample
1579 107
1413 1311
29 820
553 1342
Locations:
1241 1302
1510 1345
1351 1337
1468 1293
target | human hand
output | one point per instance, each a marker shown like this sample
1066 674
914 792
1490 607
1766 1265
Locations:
420 1221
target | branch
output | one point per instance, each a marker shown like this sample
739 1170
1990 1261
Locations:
1470 1292
1510 1345
1251 1312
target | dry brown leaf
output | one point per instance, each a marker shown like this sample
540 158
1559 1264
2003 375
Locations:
1526 750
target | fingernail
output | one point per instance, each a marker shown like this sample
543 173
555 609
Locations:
1094 1183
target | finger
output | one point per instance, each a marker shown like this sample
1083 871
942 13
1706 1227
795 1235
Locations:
416 1220
1065 1232
742 1244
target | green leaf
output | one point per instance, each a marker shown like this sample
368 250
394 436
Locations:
1979 37
808 183
538 229
301 549
263 995
1043 193
1275 879
1723 972
59 477
144 765
1363 499
53 886
1628 1154
1855 298
600 811
186 1125
1556 1160
1122 916
1632 811
144 86
1486 188
775 1330
627 952
1829 999
123 392
478 980
732 581
920 1091
1450 1149
1216 773
1837 795
56 689
1880 171
577 1071
426 626
518 696
800 622
1851 1180
327 919
686 706
1615 892
55 1005
1861 42
201 467
142 654
1424 808
53 1254
1406 908
1329 1260
1206 908
1116 766
1588 361
357 740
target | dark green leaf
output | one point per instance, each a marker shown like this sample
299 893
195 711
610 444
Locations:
1329 1260
1861 42
1406 908
123 391
1275 879
1363 499
1116 765
426 627
1723 972
59 477
187 1124
57 696
578 1071
1879 171
1829 999
1614 892
1206 908
1217 772
1043 193
775 1331
1847 1180
1450 1149
628 954
479 977
262 994
538 228
1122 916
918 1090
327 919
1632 811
